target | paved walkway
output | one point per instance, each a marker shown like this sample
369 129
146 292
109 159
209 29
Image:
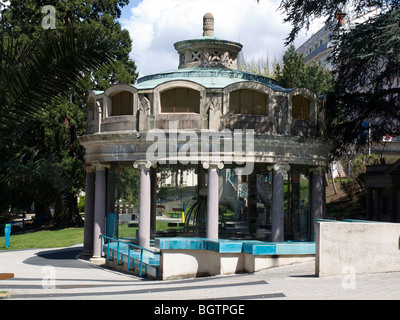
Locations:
58 274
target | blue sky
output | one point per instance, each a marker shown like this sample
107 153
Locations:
155 25
125 13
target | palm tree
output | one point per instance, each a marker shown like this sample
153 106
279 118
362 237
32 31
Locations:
34 72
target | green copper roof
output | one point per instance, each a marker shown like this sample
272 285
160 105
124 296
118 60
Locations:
207 77
207 41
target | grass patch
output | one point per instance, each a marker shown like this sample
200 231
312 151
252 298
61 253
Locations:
44 239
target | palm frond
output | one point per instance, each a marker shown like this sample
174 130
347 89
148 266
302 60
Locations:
34 73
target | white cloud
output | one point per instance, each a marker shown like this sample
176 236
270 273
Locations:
155 25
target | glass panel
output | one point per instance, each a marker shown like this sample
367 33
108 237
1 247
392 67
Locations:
122 104
167 101
300 107
260 103
91 109
116 105
181 100
194 101
234 102
299 218
123 199
126 103
246 101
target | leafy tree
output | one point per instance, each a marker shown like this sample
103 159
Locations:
31 74
290 75
262 67
53 134
367 67
295 73
366 101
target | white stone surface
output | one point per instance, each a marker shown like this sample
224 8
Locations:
364 247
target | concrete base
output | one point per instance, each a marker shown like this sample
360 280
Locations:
178 264
258 263
365 247
86 253
98 260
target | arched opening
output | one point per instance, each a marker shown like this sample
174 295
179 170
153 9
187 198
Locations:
180 100
246 101
122 104
301 107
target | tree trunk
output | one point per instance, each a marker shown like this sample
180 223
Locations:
69 217
43 212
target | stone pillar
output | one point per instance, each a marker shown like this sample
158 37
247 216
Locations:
89 211
252 202
153 220
278 222
317 197
99 208
393 205
378 204
144 202
370 204
212 199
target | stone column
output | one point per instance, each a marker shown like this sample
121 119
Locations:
89 211
378 204
370 204
153 220
317 197
278 222
393 205
99 208
252 202
212 199
144 202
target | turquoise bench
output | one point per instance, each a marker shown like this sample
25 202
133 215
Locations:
253 247
279 248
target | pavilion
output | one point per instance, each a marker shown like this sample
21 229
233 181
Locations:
255 147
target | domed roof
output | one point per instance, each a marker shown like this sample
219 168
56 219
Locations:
208 61
215 78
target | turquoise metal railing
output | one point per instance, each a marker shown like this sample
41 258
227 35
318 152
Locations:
131 248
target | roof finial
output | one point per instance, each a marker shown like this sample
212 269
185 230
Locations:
208 25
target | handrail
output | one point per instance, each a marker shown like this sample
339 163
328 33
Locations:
102 236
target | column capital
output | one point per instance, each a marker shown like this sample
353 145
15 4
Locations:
283 167
213 165
98 166
142 164
89 167
318 170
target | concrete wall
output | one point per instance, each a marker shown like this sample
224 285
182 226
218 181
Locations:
177 264
365 246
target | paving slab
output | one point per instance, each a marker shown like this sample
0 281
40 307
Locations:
59 274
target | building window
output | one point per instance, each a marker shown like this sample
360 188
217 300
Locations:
122 104
180 100
247 101
300 107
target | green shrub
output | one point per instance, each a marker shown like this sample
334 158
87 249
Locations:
81 204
